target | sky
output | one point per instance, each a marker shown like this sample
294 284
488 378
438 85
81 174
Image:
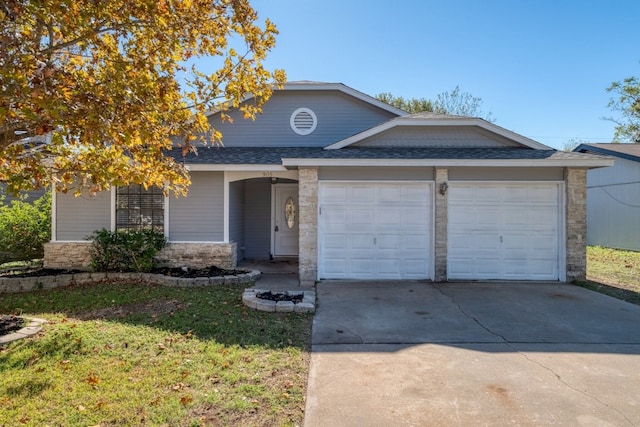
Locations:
541 67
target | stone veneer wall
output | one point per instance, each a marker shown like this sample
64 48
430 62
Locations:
576 223
199 255
441 221
67 255
76 255
308 237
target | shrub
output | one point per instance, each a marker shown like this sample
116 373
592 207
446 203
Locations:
24 229
125 250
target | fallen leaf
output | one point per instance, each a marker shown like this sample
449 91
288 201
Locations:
92 379
186 399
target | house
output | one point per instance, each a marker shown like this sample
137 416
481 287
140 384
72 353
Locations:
613 207
357 189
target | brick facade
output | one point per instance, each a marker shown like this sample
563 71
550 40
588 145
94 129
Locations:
77 255
67 255
199 255
576 223
441 223
308 238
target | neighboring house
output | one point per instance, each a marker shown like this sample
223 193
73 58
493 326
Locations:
357 189
613 207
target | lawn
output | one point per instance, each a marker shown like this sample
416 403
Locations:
613 272
125 354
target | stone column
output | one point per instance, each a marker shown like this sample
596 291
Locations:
308 225
441 219
576 223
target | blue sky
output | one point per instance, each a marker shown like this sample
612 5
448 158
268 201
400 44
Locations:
541 67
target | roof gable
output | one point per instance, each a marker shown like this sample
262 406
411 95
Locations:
486 133
338 112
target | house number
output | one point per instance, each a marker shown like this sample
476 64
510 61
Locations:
267 174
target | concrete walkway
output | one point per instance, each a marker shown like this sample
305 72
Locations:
418 354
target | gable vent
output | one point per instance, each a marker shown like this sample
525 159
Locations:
303 121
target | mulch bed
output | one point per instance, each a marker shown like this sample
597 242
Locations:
268 295
9 324
212 271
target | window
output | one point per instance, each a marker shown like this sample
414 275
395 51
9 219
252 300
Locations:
139 209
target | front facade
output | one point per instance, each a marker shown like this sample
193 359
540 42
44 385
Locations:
356 189
613 207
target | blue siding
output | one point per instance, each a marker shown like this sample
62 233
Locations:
339 116
199 217
78 217
257 219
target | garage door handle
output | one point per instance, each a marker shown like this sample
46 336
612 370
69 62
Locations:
375 241
276 229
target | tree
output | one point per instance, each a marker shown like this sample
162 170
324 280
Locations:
95 92
455 102
412 105
24 228
627 104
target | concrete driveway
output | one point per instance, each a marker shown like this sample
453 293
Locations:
419 354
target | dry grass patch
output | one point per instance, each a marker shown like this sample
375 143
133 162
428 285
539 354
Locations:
613 272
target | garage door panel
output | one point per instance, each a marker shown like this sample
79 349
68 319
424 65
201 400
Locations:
519 223
335 241
381 230
361 242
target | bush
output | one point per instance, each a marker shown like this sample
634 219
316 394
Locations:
24 229
125 250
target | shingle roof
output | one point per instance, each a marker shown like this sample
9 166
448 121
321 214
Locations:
274 155
625 151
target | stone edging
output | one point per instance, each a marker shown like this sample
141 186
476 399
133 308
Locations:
34 325
27 284
308 304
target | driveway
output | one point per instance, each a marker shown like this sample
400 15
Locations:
422 354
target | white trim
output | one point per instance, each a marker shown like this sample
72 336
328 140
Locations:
272 247
452 121
429 183
112 213
586 163
165 226
201 167
242 175
54 214
562 222
226 208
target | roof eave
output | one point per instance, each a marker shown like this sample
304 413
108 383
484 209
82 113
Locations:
576 163
600 150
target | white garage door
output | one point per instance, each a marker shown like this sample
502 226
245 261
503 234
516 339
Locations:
504 231
375 230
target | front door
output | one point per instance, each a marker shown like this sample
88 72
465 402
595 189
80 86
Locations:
285 218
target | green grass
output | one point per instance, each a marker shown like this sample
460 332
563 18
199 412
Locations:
118 354
613 272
